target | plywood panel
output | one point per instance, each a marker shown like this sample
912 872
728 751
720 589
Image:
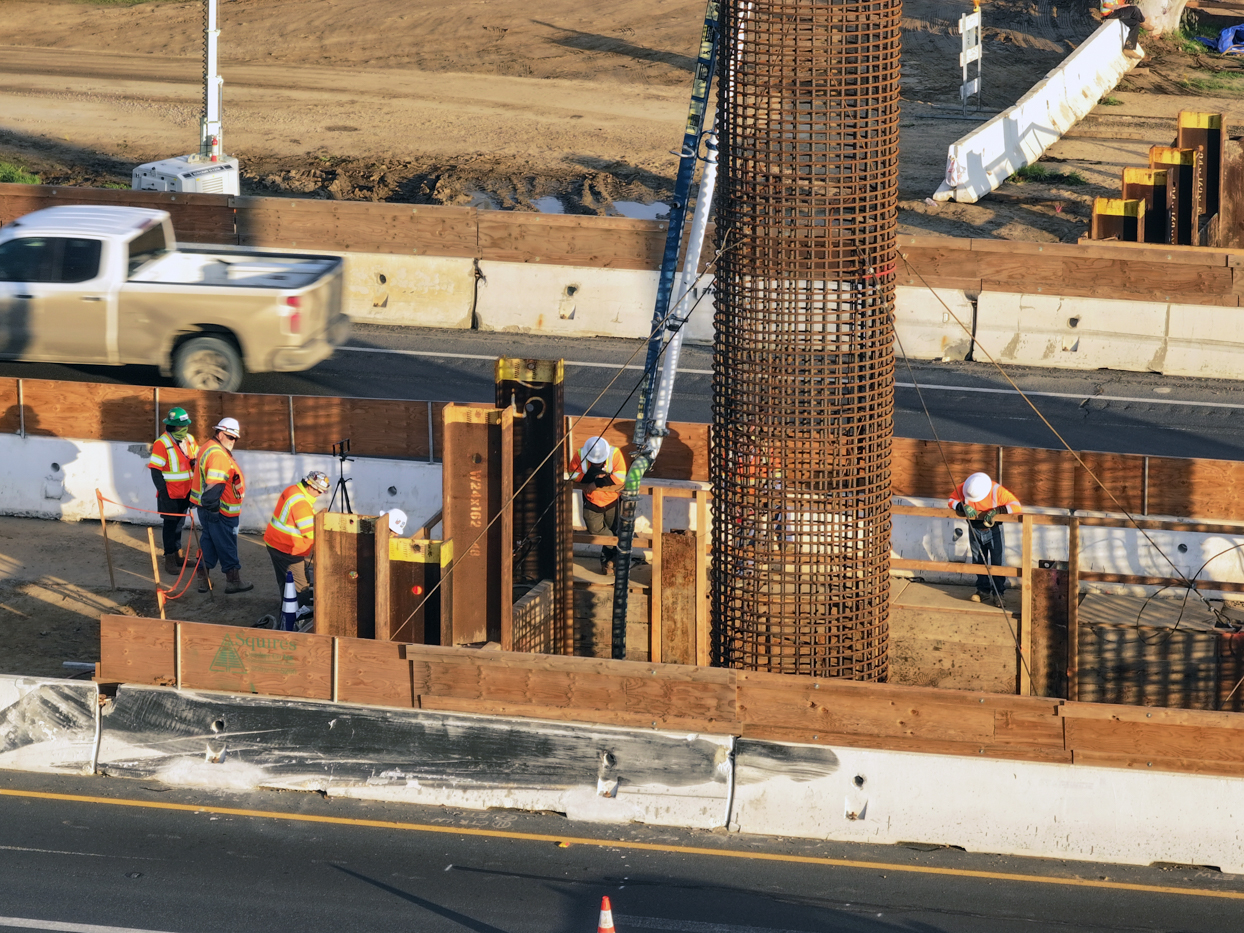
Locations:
264 419
1049 632
1136 740
908 744
678 600
345 581
364 227
1142 665
10 416
571 240
392 428
136 651
244 660
89 411
684 453
197 218
374 673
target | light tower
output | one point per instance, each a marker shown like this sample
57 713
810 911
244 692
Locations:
209 170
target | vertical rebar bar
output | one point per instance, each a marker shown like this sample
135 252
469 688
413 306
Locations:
803 379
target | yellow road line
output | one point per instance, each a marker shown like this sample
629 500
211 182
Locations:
639 846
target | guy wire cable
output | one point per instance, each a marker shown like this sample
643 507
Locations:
621 369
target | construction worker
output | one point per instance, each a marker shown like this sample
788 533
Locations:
601 472
290 535
172 463
979 499
218 490
1127 12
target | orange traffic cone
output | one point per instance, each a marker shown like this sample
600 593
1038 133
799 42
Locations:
606 916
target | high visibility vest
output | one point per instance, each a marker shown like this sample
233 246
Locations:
1111 6
291 529
216 465
174 464
999 498
601 496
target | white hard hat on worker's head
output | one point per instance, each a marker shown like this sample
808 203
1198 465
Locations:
595 450
397 521
230 426
977 487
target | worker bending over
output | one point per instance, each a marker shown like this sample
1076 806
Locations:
290 535
979 499
601 472
218 490
172 467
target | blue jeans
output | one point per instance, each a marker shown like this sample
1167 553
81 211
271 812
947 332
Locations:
986 544
218 539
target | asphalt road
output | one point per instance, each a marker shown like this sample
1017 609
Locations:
1098 410
128 856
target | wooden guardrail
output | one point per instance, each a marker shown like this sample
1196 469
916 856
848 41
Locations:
1187 275
820 711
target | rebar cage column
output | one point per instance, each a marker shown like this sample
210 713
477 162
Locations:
803 373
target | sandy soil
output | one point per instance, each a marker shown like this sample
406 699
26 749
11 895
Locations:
54 586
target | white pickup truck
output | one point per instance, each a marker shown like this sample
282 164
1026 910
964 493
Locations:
109 285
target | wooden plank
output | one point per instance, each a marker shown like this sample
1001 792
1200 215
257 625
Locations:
571 240
1156 763
197 218
656 616
375 673
901 563
352 225
1025 617
89 411
678 596
1049 631
907 744
1153 716
244 660
1223 586
702 595
345 567
606 717
1134 740
10 415
383 582
392 428
1073 610
135 651
1136 252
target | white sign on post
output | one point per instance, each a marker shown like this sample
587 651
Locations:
970 51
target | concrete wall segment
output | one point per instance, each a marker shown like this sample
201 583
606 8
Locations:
48 725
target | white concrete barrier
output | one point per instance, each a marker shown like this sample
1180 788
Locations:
48 725
52 477
1007 807
418 291
983 159
925 329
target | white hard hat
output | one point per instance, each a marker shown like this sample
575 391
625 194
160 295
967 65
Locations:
397 521
977 486
595 450
230 426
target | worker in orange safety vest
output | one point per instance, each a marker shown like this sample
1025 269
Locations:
1128 13
217 493
600 470
290 535
172 463
980 500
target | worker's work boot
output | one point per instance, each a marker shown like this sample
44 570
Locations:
204 586
172 563
236 584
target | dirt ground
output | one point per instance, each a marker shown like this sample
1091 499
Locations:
54 586
490 103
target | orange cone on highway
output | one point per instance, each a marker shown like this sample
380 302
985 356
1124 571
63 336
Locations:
606 916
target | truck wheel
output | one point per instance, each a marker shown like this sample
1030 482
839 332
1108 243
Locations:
208 363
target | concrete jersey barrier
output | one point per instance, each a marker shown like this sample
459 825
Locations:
48 725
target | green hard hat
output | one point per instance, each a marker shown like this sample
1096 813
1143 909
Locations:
177 418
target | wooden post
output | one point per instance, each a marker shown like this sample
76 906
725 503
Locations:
680 596
160 600
1025 616
383 585
155 564
345 564
1073 608
701 577
112 578
654 601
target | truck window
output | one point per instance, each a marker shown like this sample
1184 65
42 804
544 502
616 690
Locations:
28 259
148 245
79 260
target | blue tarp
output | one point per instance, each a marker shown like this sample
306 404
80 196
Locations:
1229 42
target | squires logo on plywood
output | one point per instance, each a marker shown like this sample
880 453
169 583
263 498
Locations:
257 654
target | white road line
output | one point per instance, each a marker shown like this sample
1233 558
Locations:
493 357
23 923
926 387
690 926
144 858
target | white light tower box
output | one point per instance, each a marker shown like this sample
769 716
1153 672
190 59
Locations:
189 173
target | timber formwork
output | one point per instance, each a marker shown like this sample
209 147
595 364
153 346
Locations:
808 109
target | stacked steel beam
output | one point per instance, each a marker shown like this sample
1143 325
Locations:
803 378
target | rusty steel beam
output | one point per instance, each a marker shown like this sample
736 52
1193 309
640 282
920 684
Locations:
803 375
478 482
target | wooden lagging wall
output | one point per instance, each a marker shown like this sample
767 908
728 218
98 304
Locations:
1188 275
712 700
